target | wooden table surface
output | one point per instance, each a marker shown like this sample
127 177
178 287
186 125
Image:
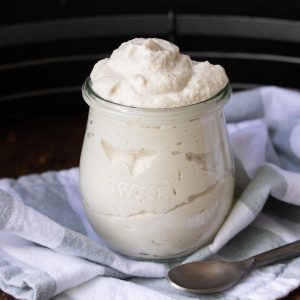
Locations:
40 143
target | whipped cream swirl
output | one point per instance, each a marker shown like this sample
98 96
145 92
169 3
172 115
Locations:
152 73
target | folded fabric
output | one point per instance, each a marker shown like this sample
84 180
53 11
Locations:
48 249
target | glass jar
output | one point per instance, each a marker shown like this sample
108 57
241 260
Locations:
157 184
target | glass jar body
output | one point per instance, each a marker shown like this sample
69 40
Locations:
156 187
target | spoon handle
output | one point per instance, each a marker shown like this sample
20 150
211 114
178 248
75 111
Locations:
274 255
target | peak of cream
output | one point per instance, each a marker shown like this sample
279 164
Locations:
152 73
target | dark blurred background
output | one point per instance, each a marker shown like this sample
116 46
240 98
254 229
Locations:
47 49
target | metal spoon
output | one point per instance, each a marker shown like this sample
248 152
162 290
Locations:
216 276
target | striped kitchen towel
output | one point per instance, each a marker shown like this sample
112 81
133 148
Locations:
48 249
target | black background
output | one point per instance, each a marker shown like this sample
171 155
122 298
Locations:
47 48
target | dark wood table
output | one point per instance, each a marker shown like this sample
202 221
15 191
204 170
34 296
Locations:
40 143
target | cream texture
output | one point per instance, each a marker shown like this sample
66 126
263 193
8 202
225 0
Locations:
156 191
156 187
152 73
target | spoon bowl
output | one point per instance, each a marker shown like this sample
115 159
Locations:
207 276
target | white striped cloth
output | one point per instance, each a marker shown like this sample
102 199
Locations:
48 249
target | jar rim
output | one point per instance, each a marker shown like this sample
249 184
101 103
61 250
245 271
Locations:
96 101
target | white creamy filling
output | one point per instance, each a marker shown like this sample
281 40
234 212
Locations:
182 229
162 189
135 183
152 73
144 213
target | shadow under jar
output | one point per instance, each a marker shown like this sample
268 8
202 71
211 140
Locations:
157 184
